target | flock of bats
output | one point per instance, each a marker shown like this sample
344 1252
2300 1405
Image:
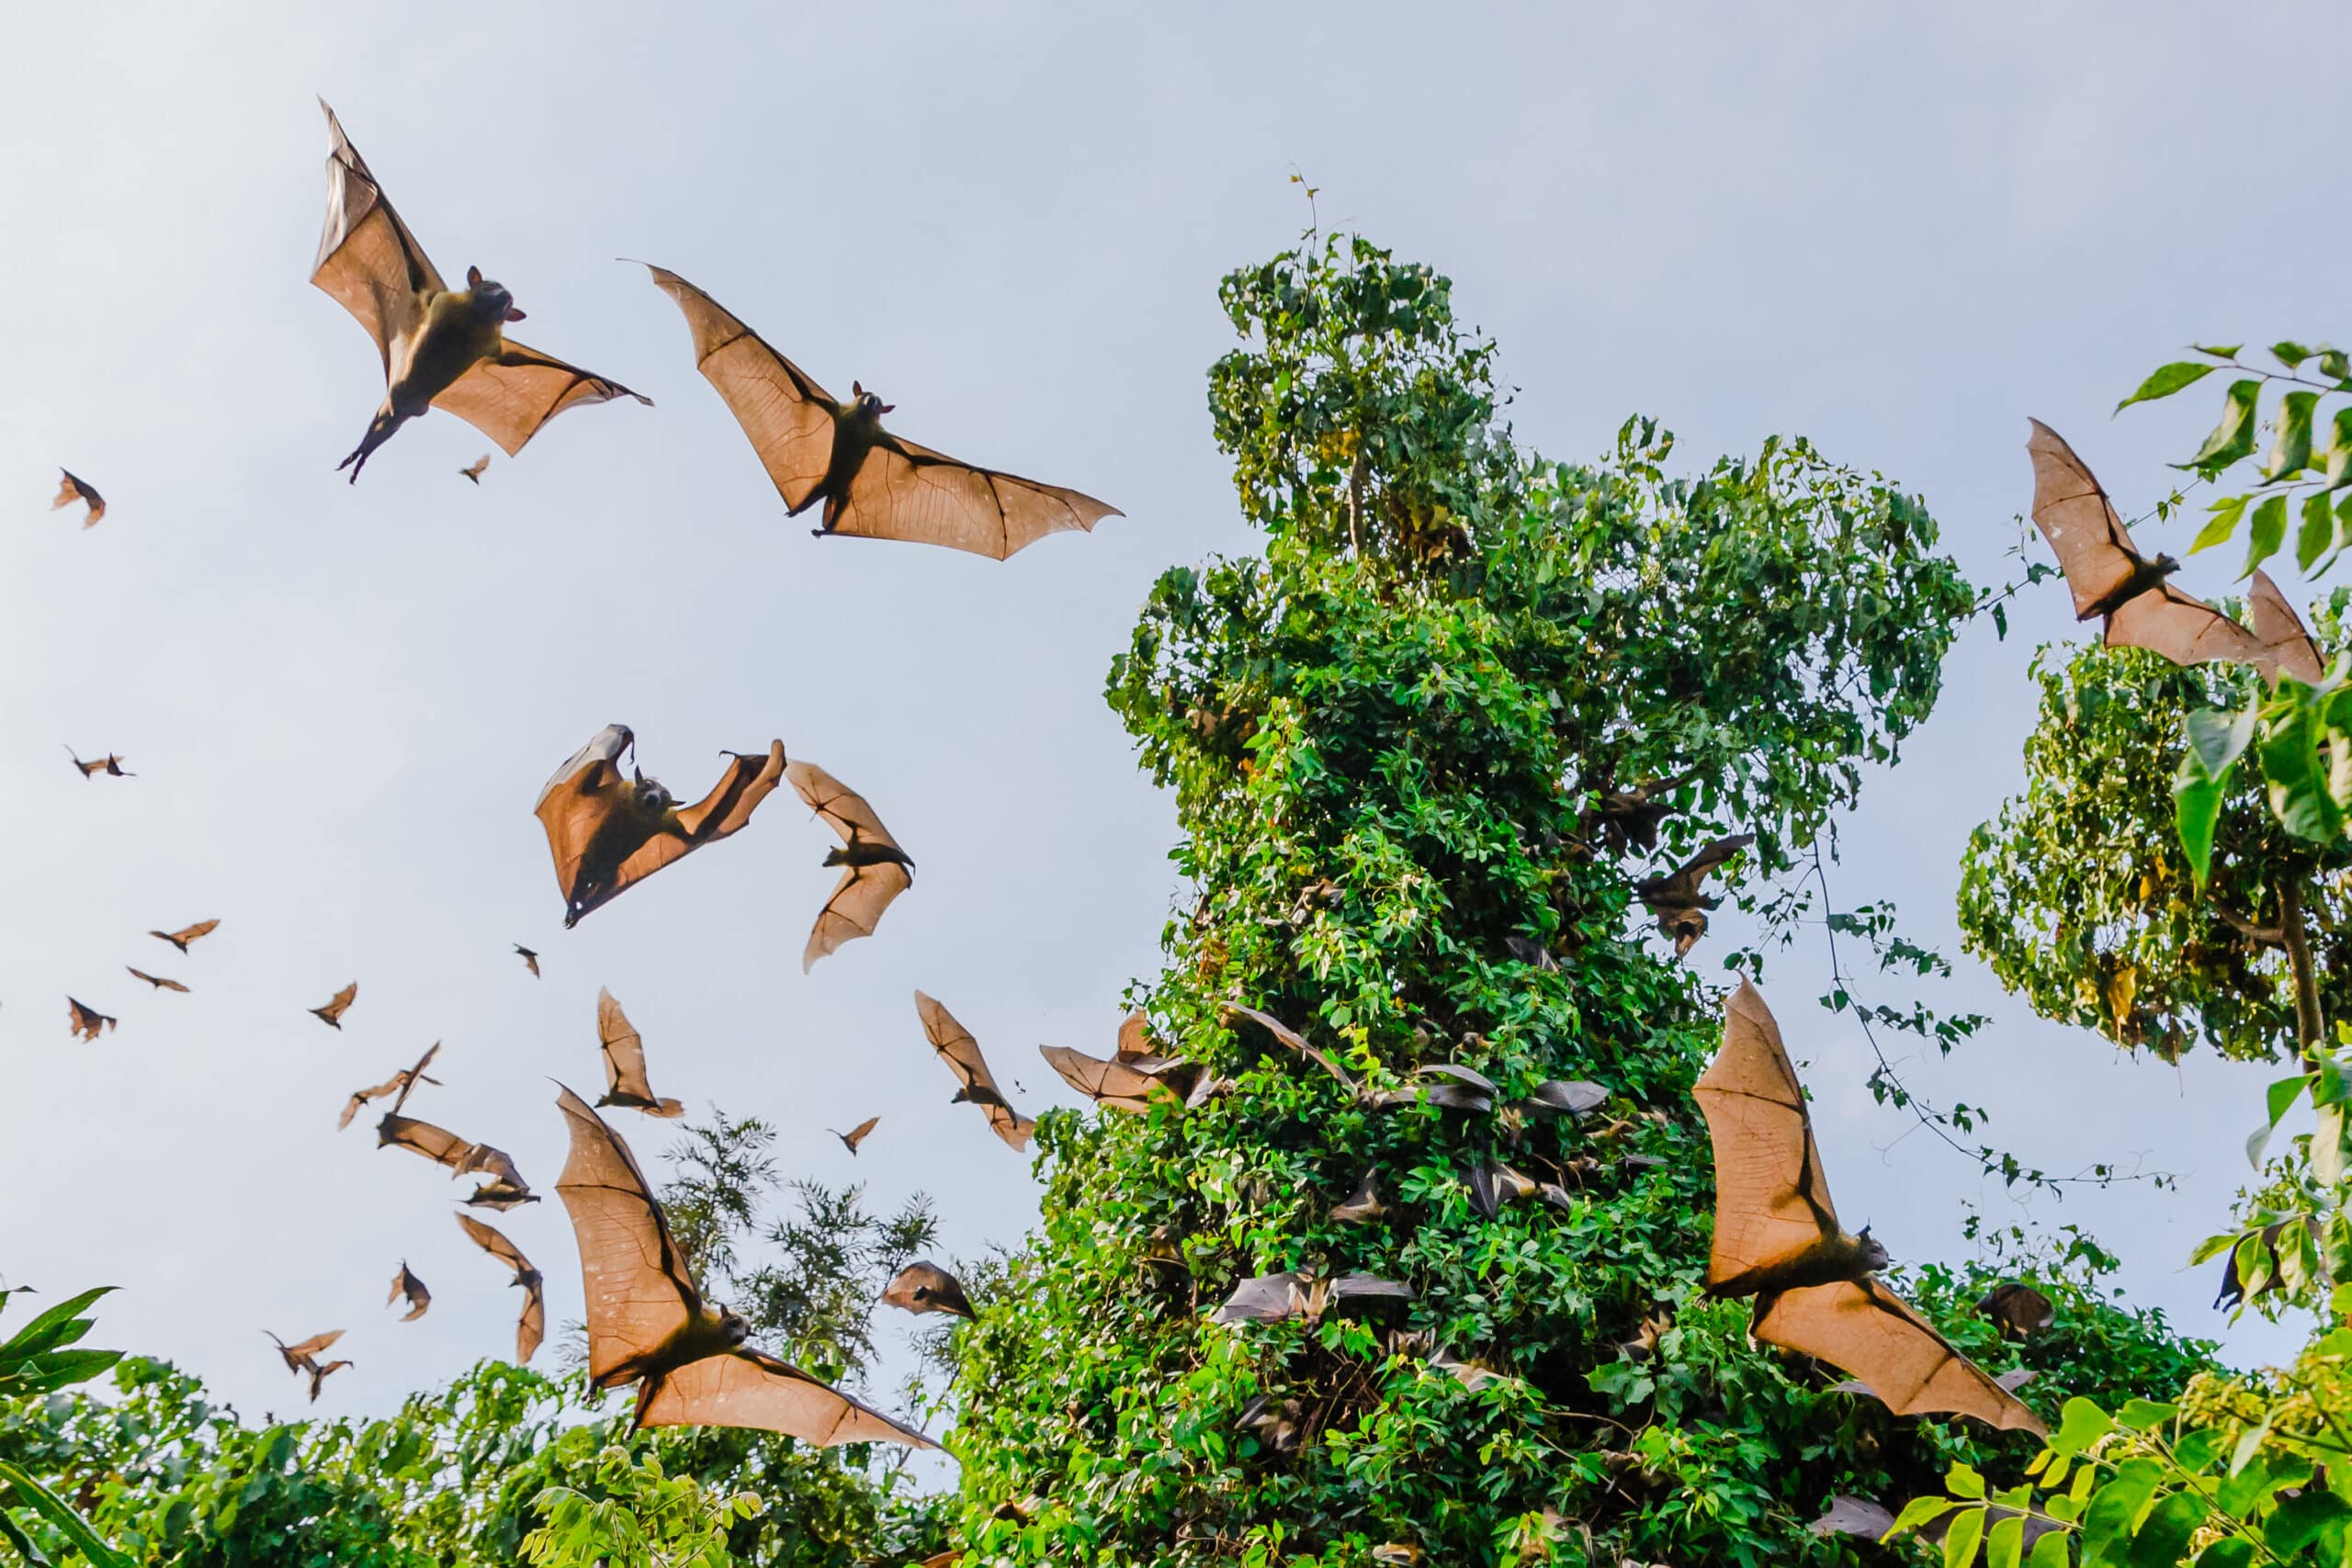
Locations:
1777 1237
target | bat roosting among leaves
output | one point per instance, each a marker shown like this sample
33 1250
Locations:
874 485
2110 579
533 1325
442 347
962 1054
1675 896
856 1135
1777 1240
609 833
625 1080
337 1005
86 1022
186 934
71 490
1627 819
876 869
156 980
399 1083
109 764
923 1287
407 1284
648 1323
2018 1309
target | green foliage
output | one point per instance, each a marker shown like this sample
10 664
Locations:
40 1358
645 1519
1383 738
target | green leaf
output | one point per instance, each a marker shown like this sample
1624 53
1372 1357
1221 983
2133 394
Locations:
2233 1552
13 1534
1961 1542
63 1519
2049 1551
2162 1539
2144 1414
1924 1509
2168 379
2229 353
2223 522
2234 437
2300 1519
2266 534
2216 741
2335 362
2005 1543
2080 1425
2317 535
1962 1481
2290 353
2339 448
2115 1506
2295 768
2291 452
54 1327
2281 1095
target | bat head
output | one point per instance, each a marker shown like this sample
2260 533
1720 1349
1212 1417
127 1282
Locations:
492 301
651 795
869 405
733 1325
1874 1254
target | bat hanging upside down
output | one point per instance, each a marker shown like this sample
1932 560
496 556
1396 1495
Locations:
608 833
442 347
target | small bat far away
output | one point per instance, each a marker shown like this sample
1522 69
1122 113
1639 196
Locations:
186 934
337 1005
1676 898
109 764
962 1054
923 1287
302 1359
625 1080
649 1325
856 1135
399 1083
876 869
533 1325
475 469
156 980
2140 608
88 1022
405 1283
1777 1240
608 833
441 347
530 959
71 490
874 485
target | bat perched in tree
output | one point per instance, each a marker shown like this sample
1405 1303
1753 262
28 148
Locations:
1362 1204
109 764
337 1005
442 347
156 980
962 1054
72 489
1676 897
2018 1309
649 1325
876 869
475 469
923 1287
1627 819
533 1327
856 1135
88 1022
874 485
530 959
399 1083
1777 1240
609 833
407 1284
625 1080
2110 579
186 934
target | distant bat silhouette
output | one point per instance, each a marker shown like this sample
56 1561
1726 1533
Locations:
874 485
856 1135
922 1287
533 1327
609 833
1675 896
1777 1240
319 1374
186 934
649 1325
530 959
109 764
88 1022
340 1003
624 1081
407 1284
72 489
442 347
962 1054
302 1359
2018 1309
399 1083
156 980
876 869
475 469
2110 579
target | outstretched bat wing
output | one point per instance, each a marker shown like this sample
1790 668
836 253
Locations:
1113 1083
788 417
496 1245
2184 629
2286 643
1866 1330
624 1050
1772 1201
1290 1037
509 399
436 1144
2093 548
906 491
751 1388
639 1290
576 801
367 259
845 811
855 908
962 1054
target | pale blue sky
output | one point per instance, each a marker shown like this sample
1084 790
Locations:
1897 231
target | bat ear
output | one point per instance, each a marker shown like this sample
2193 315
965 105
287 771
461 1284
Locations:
857 388
473 277
888 407
512 314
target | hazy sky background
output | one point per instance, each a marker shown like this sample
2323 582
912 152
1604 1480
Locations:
1897 231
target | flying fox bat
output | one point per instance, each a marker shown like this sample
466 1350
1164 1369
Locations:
109 764
1777 1240
962 1054
442 347
923 1287
624 1081
88 1022
1115 1084
506 1187
340 1003
1628 820
1270 1298
856 1135
533 1327
1676 898
530 959
475 469
500 1194
649 1325
2110 578
407 1284
2018 1309
186 934
319 1373
874 485
877 869
399 1083
1445 1084
156 980
300 1358
72 489
609 833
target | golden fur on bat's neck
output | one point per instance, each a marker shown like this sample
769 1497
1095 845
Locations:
1832 1260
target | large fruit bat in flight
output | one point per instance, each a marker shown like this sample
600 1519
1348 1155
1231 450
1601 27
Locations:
609 833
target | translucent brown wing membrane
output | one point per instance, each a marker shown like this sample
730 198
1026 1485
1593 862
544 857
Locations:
910 492
962 1054
511 397
367 260
638 1289
786 416
1772 1203
751 1388
1866 1329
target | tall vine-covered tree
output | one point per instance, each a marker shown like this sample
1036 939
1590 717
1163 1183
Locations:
1385 740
